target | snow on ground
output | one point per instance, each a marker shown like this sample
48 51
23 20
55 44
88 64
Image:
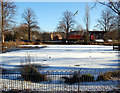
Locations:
63 57
46 86
99 40
83 56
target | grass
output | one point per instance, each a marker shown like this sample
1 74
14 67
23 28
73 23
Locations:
12 43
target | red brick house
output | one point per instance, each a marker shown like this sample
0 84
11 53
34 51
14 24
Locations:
75 35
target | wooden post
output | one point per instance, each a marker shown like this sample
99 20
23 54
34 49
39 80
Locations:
119 32
118 47
2 27
113 46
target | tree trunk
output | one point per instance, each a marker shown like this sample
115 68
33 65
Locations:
3 37
2 27
67 35
28 33
119 30
2 23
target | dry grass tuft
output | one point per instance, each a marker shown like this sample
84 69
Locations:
30 73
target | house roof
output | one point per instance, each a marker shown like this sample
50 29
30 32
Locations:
97 31
76 33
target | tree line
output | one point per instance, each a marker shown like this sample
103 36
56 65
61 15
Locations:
29 29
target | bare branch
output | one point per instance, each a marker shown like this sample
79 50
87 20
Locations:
67 22
30 20
107 21
114 6
8 10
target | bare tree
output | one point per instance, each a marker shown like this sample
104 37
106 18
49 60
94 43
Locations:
87 20
67 22
114 5
79 27
20 32
107 21
0 17
8 10
30 20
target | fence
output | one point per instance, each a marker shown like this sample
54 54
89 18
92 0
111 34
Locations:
63 81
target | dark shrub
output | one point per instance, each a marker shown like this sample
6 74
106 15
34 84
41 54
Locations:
73 79
76 78
3 71
108 76
29 71
101 78
31 74
68 80
116 74
87 78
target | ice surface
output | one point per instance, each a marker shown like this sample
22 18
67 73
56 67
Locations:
63 57
85 56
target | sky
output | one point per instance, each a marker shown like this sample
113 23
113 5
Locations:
49 14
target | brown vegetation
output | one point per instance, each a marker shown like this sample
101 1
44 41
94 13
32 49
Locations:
109 76
76 78
29 72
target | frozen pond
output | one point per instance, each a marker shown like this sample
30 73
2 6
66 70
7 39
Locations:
59 59
65 57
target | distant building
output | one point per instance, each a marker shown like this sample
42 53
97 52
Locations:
57 35
97 34
75 35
